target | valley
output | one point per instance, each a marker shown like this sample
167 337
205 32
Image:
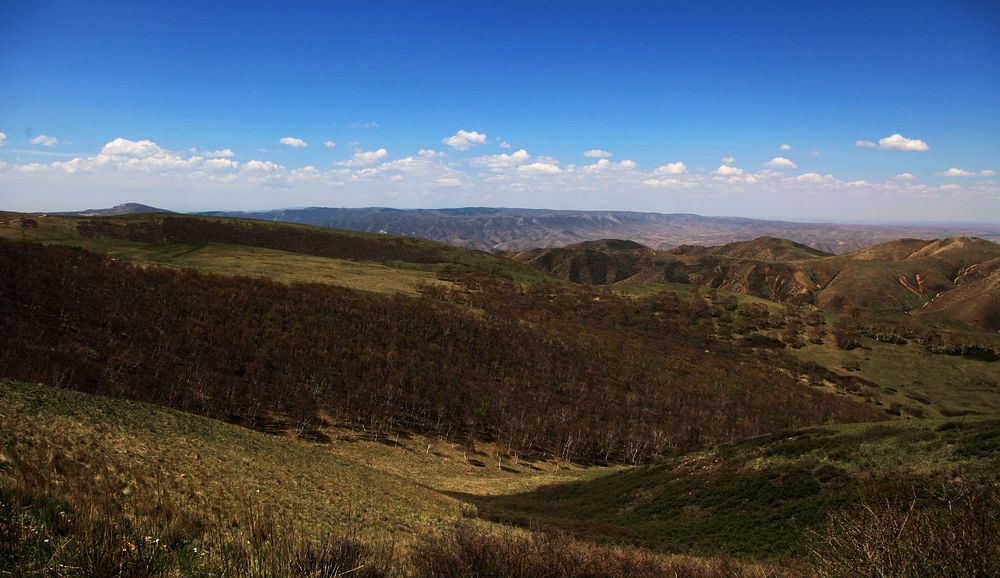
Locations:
677 411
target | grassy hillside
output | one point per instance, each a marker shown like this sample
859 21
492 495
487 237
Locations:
92 485
283 252
911 380
761 497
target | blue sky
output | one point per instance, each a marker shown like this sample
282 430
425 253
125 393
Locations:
668 89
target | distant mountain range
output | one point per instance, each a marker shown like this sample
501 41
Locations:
500 229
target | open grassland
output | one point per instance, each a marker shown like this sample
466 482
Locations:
911 379
765 497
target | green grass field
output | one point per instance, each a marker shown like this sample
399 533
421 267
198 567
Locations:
281 266
913 380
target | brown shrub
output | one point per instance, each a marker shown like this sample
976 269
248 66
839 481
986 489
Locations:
951 531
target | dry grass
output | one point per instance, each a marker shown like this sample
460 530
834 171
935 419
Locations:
95 486
950 531
468 553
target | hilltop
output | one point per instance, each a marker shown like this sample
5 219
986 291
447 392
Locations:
123 209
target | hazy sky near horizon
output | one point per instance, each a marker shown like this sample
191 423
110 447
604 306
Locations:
846 110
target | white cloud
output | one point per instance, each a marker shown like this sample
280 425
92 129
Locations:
540 168
898 142
430 153
785 147
363 158
781 163
956 172
865 144
905 177
219 154
728 160
728 171
598 154
464 140
329 144
295 143
449 182
815 178
503 144
137 149
3 139
605 165
501 161
677 168
220 164
45 141
262 166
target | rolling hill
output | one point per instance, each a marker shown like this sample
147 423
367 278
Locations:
896 277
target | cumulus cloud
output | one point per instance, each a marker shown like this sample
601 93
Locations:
895 142
898 142
220 164
464 140
598 154
3 139
541 168
501 161
785 147
728 171
291 141
329 144
728 160
957 172
138 149
677 168
905 177
606 165
815 178
781 163
430 153
45 141
363 158
262 166
219 154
